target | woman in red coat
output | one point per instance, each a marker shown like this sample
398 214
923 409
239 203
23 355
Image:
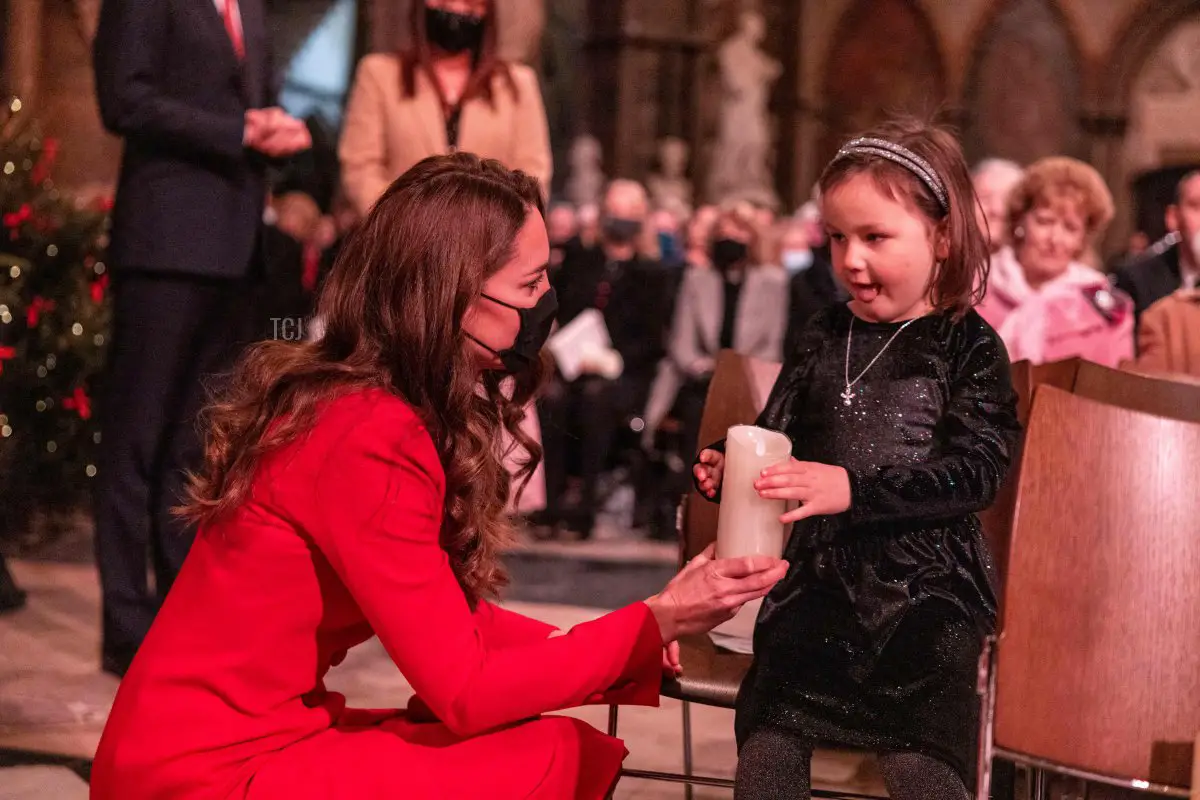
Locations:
354 487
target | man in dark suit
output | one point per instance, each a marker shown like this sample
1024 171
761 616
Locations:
187 84
629 290
804 251
1172 263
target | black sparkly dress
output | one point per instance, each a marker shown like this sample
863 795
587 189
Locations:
872 639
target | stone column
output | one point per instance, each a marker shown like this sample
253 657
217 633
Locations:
644 73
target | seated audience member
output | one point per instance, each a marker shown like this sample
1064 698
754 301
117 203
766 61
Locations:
1169 335
1044 303
562 227
739 303
627 288
1174 263
666 226
293 244
994 179
804 251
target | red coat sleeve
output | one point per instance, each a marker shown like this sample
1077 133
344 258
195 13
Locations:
378 507
500 627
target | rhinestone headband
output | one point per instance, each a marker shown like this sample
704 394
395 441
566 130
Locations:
901 155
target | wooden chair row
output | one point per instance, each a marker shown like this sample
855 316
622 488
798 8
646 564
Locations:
1096 669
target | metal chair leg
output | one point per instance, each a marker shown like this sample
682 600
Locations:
687 748
1039 780
612 731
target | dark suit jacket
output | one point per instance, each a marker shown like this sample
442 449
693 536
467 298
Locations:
190 196
636 312
809 292
1151 278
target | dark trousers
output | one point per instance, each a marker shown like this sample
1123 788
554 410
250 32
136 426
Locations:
586 413
171 335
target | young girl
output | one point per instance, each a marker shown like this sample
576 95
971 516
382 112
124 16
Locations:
903 421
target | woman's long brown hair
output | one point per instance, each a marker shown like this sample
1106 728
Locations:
393 307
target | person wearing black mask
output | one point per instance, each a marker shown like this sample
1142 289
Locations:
488 106
618 279
738 303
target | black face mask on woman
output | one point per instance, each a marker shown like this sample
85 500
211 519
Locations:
453 32
727 252
535 328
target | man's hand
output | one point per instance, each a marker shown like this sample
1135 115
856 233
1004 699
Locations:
275 133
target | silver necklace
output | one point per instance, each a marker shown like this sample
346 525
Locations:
848 393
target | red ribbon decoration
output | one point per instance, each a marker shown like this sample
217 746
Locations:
98 287
80 402
5 354
34 312
17 217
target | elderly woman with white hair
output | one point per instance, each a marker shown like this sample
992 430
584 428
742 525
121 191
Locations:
994 179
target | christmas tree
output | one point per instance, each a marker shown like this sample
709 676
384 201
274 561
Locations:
54 326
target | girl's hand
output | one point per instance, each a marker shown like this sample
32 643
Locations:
822 489
709 472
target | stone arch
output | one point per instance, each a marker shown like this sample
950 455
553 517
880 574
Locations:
885 58
1152 86
1141 35
1024 87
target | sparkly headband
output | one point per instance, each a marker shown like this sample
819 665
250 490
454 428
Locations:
901 155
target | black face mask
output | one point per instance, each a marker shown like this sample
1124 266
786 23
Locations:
453 32
727 252
535 328
619 230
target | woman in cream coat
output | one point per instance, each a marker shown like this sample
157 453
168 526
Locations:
448 91
740 302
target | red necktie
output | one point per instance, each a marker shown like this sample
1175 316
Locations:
311 268
235 35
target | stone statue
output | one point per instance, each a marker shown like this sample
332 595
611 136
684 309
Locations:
670 189
741 159
586 183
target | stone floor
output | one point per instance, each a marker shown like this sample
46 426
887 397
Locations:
54 700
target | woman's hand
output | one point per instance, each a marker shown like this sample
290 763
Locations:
708 592
822 489
709 472
671 666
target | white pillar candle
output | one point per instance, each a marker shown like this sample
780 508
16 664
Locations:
749 524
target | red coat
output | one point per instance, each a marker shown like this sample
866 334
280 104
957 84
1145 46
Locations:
339 542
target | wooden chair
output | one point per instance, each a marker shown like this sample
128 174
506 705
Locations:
1097 670
997 519
711 676
1158 395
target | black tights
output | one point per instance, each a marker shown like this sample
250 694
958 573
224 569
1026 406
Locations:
776 765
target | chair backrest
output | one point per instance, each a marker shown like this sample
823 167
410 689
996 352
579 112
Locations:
997 519
1164 397
1099 657
737 394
